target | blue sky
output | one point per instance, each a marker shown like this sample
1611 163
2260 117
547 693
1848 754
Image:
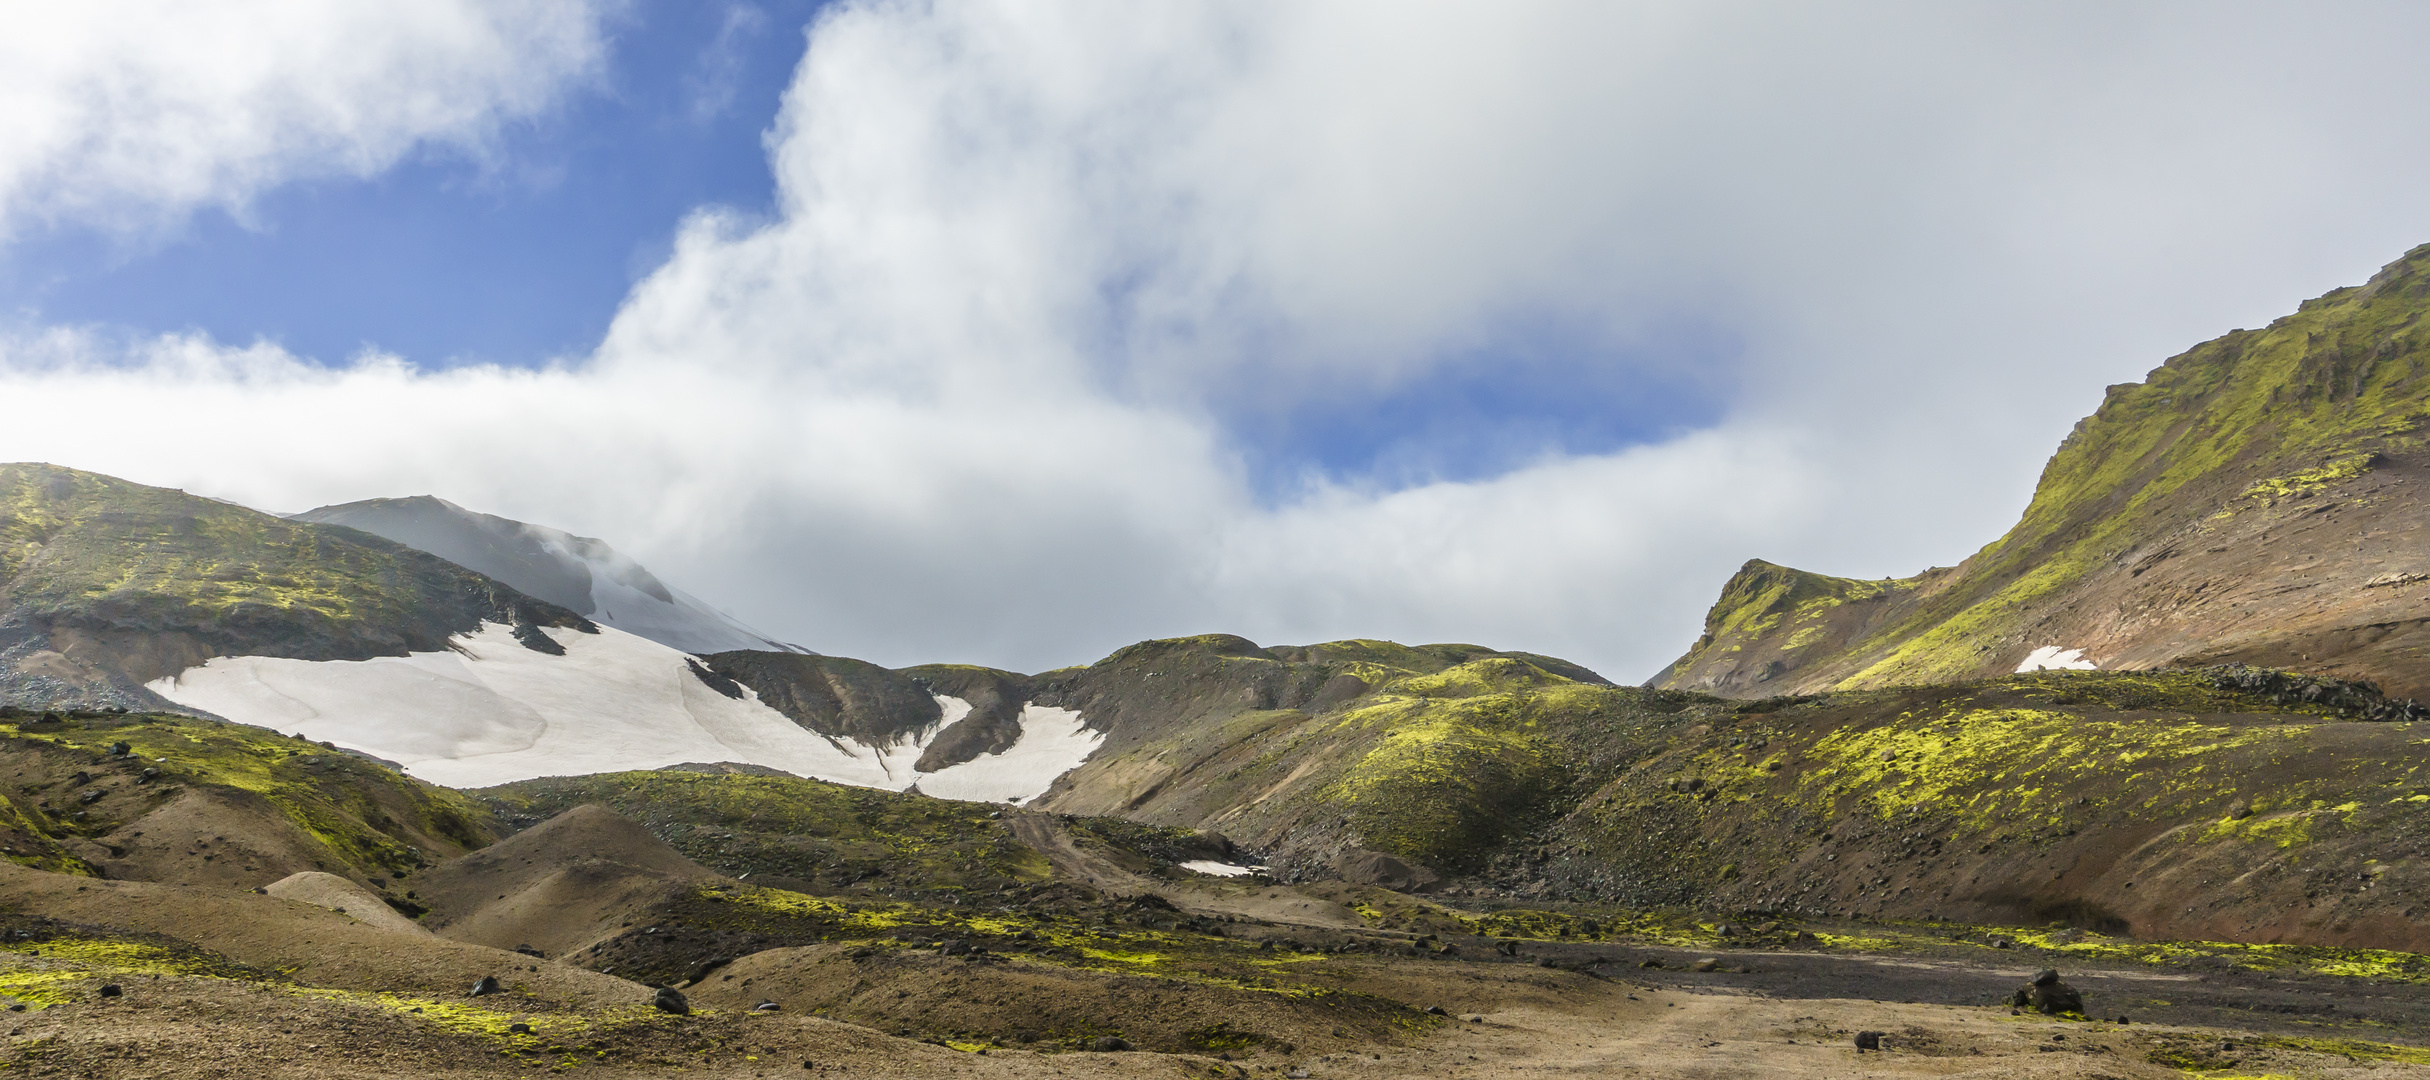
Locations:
516 256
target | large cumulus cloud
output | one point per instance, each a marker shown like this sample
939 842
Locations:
126 115
987 386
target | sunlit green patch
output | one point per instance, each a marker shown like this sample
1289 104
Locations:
369 816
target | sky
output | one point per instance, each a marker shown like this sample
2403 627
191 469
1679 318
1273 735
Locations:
1011 333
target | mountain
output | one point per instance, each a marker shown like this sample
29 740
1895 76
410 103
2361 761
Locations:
106 586
578 573
2260 498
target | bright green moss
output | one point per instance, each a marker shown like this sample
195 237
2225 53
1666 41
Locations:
809 830
2311 481
2296 409
335 797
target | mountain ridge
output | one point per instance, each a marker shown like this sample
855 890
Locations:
2258 498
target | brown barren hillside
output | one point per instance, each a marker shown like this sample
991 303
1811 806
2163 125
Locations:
2259 498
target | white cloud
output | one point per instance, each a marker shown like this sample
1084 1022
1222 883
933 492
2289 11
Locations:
971 394
127 114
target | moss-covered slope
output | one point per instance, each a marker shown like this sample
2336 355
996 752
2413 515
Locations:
105 585
2228 804
2258 498
801 834
190 801
1315 754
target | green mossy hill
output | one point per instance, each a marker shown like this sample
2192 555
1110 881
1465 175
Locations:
1433 754
74 803
2163 529
1066 973
109 584
2109 798
808 835
2220 804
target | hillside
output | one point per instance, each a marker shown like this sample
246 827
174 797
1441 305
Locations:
2109 799
182 800
107 585
2257 499
578 573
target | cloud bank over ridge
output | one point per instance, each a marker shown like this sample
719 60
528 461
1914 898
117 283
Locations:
990 386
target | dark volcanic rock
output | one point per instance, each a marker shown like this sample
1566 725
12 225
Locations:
2048 994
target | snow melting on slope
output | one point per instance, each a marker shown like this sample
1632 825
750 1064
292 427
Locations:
1052 742
2056 658
491 711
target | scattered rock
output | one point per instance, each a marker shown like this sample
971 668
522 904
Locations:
111 990
1436 1010
2003 943
518 1029
1707 964
2048 995
121 749
487 985
1868 1040
670 1001
766 1006
1109 1043
527 950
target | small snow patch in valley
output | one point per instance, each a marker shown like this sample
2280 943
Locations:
1219 869
2056 658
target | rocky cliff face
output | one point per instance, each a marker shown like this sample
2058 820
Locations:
2260 498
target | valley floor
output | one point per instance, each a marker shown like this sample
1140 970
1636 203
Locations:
1787 1014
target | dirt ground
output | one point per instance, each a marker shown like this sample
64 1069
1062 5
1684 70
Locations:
215 982
185 1027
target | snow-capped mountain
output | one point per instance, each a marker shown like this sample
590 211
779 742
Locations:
579 573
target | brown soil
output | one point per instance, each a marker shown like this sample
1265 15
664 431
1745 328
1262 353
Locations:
344 897
560 887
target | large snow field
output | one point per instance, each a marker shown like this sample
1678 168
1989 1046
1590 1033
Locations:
491 711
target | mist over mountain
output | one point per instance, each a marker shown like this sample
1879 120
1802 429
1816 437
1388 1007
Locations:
578 573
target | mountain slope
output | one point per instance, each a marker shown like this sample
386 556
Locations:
2228 803
578 573
106 585
2259 498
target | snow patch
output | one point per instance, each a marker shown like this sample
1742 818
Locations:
490 711
1220 869
1053 742
2056 658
